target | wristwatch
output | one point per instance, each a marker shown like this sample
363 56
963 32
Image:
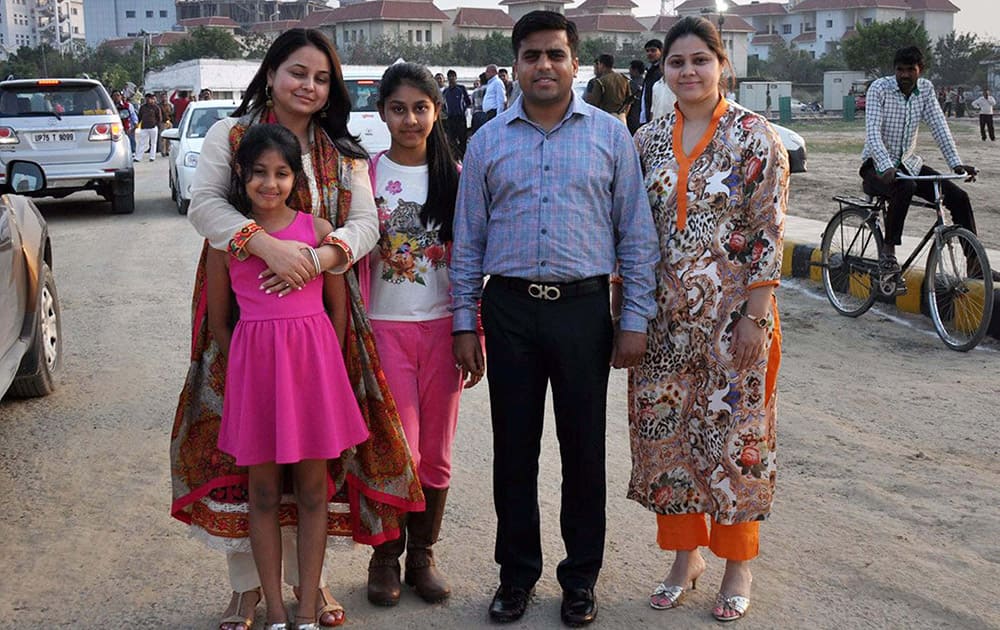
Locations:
760 321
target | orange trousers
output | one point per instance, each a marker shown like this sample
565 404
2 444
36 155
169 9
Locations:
687 532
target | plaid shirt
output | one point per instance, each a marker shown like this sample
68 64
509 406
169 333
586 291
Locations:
892 121
554 206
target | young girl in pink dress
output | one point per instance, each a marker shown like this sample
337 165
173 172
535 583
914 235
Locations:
288 397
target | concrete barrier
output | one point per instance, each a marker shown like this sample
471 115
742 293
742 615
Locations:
798 263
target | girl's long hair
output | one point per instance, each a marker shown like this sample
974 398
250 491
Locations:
442 170
257 140
338 104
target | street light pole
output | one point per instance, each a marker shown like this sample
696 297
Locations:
721 7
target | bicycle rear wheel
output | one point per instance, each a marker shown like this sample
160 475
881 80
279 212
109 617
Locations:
850 261
959 289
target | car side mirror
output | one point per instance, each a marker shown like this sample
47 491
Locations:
171 134
25 177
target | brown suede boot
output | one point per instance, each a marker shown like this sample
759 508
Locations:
423 529
383 571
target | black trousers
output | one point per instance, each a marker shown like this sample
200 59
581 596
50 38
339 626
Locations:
458 134
986 123
531 343
901 192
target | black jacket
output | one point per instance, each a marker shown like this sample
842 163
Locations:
653 74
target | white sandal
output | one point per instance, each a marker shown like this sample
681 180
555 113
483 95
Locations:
731 603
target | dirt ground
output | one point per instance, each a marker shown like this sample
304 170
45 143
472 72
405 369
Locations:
834 156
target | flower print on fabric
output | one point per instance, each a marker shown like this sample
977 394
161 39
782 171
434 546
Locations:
408 249
393 187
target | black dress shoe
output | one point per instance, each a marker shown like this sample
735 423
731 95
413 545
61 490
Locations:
579 607
509 603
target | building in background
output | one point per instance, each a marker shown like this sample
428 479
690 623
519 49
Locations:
116 19
518 8
249 12
475 23
417 22
58 23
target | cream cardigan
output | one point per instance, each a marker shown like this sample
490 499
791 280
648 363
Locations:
217 220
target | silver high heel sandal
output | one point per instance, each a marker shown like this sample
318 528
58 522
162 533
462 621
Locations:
311 625
732 604
665 597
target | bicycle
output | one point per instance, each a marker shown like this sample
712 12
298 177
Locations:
958 282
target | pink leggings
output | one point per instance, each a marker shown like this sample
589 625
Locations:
420 369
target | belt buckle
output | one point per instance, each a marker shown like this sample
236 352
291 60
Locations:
544 291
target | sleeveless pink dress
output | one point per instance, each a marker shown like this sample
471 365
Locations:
288 397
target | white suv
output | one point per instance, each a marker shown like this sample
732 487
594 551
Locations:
365 121
71 129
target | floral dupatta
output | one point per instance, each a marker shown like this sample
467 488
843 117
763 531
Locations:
369 486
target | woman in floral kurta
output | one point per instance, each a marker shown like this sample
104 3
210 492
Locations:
702 403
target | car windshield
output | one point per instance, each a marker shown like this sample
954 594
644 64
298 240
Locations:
59 100
203 118
364 94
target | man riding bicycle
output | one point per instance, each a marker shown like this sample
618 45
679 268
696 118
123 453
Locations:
894 108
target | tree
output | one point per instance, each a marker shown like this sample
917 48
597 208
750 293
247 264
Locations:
255 46
957 59
204 43
873 46
790 64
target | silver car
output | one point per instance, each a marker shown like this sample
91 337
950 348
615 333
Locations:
30 324
72 130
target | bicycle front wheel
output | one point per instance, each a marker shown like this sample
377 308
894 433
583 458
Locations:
850 261
959 289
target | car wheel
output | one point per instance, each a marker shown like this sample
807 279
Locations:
123 194
182 204
41 365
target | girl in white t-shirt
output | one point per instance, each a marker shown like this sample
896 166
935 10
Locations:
415 184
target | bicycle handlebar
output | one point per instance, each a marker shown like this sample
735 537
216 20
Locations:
928 178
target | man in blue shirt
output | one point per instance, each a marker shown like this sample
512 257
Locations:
548 214
894 108
456 103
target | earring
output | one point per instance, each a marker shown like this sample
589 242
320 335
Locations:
268 103
322 112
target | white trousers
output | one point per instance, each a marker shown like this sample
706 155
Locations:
145 140
243 574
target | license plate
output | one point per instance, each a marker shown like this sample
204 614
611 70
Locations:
55 136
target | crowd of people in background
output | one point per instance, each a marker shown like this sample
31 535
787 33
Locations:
146 114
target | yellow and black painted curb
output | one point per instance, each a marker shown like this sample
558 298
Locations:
798 263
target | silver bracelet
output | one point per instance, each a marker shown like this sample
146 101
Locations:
315 259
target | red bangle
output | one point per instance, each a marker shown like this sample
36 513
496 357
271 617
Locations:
336 242
238 243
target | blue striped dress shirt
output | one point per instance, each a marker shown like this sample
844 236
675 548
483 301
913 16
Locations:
554 206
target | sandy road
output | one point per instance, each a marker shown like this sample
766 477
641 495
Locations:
888 509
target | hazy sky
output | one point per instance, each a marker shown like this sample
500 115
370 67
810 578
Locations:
974 16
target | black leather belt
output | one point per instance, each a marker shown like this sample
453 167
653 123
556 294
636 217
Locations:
553 290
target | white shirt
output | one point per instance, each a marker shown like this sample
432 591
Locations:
496 95
409 279
985 105
663 100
